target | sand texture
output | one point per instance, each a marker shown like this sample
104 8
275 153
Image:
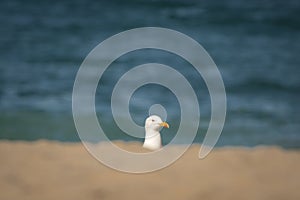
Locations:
55 170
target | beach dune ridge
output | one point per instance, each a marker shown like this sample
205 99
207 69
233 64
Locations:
57 170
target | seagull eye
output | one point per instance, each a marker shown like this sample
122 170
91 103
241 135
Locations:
152 120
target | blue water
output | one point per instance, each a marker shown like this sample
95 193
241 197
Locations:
255 44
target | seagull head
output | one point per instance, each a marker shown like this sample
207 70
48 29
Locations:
152 136
154 122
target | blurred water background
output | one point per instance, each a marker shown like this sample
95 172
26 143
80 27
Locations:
255 45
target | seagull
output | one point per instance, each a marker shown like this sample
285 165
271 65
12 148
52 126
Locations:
152 136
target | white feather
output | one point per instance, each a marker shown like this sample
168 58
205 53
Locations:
152 135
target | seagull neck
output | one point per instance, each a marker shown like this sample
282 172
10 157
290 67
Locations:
151 132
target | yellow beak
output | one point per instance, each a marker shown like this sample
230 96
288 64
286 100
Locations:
165 124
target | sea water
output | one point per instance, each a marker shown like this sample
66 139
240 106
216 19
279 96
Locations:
255 45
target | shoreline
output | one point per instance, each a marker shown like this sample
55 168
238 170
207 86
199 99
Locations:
121 142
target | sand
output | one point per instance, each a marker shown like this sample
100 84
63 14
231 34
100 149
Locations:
54 170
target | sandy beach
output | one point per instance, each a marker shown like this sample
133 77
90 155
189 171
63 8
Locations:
55 170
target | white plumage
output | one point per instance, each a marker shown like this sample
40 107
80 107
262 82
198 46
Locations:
152 135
